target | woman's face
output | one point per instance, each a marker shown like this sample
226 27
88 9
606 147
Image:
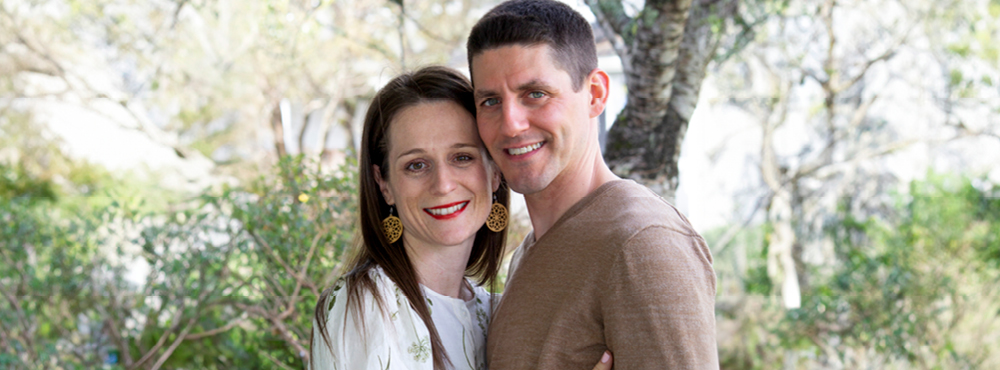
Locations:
438 177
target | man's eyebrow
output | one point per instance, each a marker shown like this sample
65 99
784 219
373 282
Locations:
534 84
480 94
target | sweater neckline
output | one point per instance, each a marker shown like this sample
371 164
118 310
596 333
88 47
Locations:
582 204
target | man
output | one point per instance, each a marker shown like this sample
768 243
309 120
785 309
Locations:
609 264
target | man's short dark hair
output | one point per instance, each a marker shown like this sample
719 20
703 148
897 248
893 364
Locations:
534 22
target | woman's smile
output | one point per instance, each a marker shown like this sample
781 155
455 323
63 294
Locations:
447 211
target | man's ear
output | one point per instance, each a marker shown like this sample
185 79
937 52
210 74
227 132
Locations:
598 82
383 186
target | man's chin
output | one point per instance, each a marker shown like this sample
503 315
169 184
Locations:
528 184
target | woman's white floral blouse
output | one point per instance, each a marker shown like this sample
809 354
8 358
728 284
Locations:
397 338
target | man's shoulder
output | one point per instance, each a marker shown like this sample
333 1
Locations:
633 207
610 219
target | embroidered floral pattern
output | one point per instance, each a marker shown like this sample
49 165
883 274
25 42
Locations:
420 350
401 334
482 318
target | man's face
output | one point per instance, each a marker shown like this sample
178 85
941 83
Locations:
533 123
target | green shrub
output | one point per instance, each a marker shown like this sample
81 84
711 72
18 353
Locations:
910 287
233 274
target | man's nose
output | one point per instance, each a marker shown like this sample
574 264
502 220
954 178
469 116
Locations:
515 119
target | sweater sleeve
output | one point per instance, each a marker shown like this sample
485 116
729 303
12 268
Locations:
659 306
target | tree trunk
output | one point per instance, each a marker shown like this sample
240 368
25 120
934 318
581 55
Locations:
278 131
781 263
664 50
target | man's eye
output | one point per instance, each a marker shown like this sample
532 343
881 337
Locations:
489 102
536 95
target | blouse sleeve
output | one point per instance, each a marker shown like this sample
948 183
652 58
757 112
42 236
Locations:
354 342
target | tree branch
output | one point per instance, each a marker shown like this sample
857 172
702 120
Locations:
427 31
177 13
723 243
176 320
300 278
275 361
26 326
614 23
270 252
284 333
209 333
859 115
112 327
177 341
838 86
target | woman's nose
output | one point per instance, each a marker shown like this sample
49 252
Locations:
444 180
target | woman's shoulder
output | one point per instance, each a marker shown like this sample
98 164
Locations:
333 295
382 291
364 312
360 329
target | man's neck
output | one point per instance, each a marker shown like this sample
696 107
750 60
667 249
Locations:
547 206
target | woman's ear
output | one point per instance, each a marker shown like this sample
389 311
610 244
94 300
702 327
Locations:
497 176
383 186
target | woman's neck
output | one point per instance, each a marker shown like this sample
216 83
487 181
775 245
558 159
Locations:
441 268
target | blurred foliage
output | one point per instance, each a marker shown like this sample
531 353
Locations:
206 77
35 169
229 280
912 288
971 55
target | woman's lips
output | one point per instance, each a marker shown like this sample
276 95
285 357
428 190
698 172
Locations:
447 211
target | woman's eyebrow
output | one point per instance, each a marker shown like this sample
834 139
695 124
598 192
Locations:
421 150
411 151
464 145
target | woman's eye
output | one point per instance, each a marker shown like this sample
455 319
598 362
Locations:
536 95
416 166
489 102
463 158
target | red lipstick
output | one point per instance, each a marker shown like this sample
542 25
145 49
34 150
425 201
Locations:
443 208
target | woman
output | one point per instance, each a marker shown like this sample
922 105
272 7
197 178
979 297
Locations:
407 302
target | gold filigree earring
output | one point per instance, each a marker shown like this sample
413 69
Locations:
498 216
392 227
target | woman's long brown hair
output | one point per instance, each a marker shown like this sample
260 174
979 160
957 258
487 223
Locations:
428 84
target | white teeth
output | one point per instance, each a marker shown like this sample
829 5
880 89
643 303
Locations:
446 211
522 150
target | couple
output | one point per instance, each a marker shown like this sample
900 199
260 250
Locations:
608 267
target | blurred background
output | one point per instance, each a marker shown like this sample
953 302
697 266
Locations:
177 177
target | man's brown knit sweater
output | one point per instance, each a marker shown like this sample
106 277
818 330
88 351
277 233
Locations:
622 270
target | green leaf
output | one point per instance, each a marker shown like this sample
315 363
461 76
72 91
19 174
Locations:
955 77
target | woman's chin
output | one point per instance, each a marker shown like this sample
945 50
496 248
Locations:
455 239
